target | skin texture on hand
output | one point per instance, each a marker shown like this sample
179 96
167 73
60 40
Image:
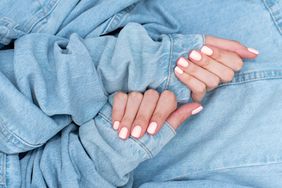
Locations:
136 114
215 63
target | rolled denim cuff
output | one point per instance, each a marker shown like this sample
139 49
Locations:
153 144
181 45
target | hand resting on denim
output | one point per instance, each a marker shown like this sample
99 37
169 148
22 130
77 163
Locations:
135 113
216 62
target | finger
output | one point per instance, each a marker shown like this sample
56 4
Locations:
119 104
166 105
232 45
197 87
225 73
227 58
145 112
183 113
132 106
209 79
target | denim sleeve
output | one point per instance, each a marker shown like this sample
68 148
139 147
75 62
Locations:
90 155
73 78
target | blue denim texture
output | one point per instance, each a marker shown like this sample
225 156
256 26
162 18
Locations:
70 57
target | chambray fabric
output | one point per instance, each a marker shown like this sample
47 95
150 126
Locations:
70 57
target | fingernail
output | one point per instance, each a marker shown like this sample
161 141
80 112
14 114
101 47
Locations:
136 132
152 128
178 70
123 133
195 55
254 51
206 50
197 110
116 125
182 61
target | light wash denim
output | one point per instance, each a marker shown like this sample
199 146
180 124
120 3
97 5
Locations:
70 57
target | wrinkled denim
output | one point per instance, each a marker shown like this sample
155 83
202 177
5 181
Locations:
57 83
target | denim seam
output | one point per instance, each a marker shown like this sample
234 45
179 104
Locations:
11 136
41 14
272 16
254 76
142 145
115 20
169 62
208 170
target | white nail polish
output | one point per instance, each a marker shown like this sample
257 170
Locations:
178 70
254 51
197 110
136 132
123 133
206 50
152 128
116 125
182 61
195 55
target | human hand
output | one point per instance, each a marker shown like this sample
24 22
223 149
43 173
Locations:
215 63
135 114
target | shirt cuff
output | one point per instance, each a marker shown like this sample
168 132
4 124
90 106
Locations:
180 46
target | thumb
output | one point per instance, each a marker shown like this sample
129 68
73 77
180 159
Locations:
183 113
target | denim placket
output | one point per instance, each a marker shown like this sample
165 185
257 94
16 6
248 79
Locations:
2 169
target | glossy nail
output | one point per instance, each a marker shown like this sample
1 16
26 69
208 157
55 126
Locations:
123 133
197 110
152 128
116 125
136 132
195 55
178 70
254 51
206 50
183 62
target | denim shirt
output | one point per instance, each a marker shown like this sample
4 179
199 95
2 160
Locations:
68 60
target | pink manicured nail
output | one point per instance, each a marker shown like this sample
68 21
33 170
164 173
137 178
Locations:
197 110
195 55
152 128
136 132
123 133
182 61
178 70
116 125
254 51
206 50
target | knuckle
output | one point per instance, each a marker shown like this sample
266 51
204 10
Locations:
200 89
214 83
239 65
120 96
152 93
228 76
236 43
136 95
169 95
